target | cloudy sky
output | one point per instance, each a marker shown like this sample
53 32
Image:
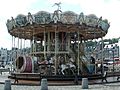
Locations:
108 9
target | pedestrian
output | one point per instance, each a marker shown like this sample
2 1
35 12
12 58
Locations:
118 78
104 77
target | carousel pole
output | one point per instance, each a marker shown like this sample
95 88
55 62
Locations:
62 40
12 42
33 50
21 46
79 54
102 57
24 47
55 50
31 46
81 46
11 58
14 50
94 53
18 52
33 43
68 39
45 44
18 46
41 41
48 47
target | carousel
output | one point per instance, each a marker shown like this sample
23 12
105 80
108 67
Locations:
57 42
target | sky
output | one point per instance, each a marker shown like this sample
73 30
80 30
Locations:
108 9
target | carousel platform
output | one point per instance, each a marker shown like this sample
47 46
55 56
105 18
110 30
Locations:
38 77
35 79
63 82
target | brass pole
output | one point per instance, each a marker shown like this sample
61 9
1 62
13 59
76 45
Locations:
55 51
79 54
69 41
12 42
45 44
33 44
21 46
18 47
24 47
48 44
102 56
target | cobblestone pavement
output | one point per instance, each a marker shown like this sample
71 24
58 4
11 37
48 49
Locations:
113 86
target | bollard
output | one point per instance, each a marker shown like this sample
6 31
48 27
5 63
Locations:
84 83
7 85
44 84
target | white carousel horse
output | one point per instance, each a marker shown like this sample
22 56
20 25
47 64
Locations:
63 67
69 65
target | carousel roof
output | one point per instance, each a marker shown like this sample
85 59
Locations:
27 26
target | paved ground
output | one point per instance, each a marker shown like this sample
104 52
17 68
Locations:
112 86
105 86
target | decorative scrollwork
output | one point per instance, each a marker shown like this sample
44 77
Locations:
42 17
21 20
104 25
81 18
67 17
91 20
13 22
9 25
56 16
30 18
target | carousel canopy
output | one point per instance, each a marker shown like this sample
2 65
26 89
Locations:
27 26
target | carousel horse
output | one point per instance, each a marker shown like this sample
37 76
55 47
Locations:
67 67
49 69
48 61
